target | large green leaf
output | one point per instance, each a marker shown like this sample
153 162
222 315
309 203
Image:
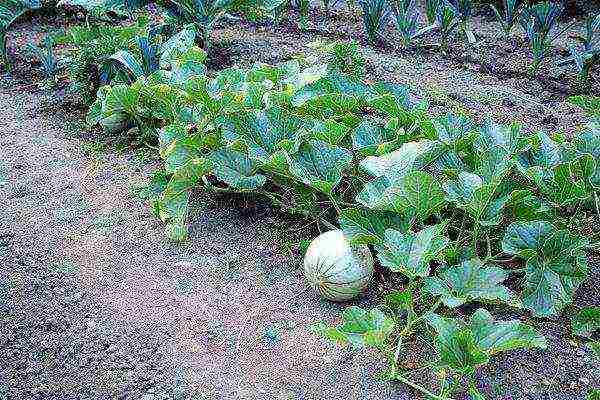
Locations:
510 138
415 195
593 394
236 170
411 253
470 281
526 206
594 346
482 201
180 150
319 165
328 131
544 151
370 139
266 134
176 45
566 183
395 102
360 328
397 163
465 346
586 321
556 264
454 131
588 142
363 226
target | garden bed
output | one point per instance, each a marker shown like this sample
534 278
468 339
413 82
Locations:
96 303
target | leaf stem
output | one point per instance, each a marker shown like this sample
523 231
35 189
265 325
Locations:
412 323
420 388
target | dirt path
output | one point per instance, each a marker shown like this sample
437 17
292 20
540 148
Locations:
96 304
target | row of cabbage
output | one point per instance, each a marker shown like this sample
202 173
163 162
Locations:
540 23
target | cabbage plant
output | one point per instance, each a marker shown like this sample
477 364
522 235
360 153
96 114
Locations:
45 54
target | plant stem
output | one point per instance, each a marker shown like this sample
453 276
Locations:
596 205
412 323
420 388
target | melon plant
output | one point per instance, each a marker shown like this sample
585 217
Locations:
456 211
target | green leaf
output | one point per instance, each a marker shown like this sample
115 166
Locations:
411 253
416 195
319 165
480 200
475 394
525 206
588 142
586 321
470 281
510 138
458 350
181 153
399 300
526 238
564 184
370 139
236 170
500 336
360 328
329 131
454 131
593 394
465 346
556 264
188 64
544 151
397 163
595 348
176 45
363 226
395 101
267 133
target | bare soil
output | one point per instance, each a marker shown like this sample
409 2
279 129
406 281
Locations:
95 303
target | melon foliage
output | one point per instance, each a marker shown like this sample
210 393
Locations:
450 208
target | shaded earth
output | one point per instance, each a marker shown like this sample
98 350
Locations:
95 303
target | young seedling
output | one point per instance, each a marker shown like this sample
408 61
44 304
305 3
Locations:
584 58
431 8
45 54
541 25
464 11
407 20
447 23
509 15
375 18
303 10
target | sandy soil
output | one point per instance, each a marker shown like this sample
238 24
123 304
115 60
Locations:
95 303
